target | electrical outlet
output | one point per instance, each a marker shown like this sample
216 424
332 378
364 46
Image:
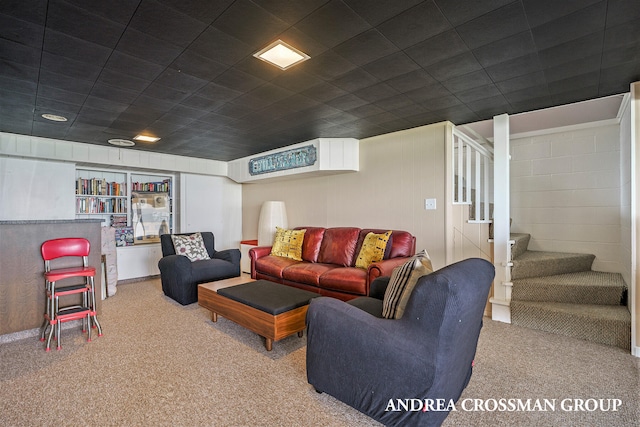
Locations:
429 204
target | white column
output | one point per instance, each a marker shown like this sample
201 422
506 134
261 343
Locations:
501 221
448 194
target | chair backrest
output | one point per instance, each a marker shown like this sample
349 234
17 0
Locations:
69 246
449 304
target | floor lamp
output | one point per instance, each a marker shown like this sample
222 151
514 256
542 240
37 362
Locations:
273 214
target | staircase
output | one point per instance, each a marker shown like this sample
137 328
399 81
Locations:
559 293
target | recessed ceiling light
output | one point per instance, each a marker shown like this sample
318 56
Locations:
121 142
146 138
281 55
54 117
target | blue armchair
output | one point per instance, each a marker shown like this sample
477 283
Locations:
370 363
180 277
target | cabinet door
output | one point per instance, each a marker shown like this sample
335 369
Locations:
138 261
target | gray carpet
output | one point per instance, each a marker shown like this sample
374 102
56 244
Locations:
163 364
584 287
540 263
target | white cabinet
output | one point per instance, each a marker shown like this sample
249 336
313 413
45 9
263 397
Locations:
245 261
138 261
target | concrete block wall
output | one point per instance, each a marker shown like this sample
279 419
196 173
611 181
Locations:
565 192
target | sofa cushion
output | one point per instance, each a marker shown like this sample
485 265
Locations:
373 248
312 242
306 272
345 279
288 243
338 246
403 244
191 246
403 280
272 265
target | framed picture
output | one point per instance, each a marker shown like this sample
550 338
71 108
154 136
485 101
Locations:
151 216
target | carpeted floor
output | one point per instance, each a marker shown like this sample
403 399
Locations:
163 364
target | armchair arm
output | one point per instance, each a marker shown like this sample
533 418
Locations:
384 267
175 275
175 265
231 255
365 361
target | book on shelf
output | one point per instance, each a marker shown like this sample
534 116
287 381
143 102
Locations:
118 221
158 187
100 187
97 205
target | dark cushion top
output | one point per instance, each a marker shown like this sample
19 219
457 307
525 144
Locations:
270 297
372 306
208 270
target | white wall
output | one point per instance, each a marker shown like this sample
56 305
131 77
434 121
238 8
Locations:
32 190
397 172
212 203
565 192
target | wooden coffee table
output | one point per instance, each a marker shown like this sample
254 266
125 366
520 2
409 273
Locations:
271 310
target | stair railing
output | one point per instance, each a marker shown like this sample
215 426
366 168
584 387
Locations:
472 166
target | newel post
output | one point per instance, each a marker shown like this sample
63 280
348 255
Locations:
501 221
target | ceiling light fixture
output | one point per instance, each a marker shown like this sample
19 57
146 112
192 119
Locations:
146 138
121 142
281 55
54 117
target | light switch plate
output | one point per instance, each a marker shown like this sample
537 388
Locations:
429 204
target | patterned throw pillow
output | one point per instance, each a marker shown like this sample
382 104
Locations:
288 243
372 249
191 246
403 280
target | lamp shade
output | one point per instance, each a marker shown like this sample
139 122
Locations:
273 214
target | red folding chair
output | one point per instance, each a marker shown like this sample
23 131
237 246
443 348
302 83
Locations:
55 314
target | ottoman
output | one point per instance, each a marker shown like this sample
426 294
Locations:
271 310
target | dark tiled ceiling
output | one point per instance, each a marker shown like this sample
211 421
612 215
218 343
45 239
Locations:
183 69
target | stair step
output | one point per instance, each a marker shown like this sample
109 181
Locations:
521 244
585 287
604 324
540 263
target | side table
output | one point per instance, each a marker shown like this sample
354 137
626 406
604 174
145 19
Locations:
245 261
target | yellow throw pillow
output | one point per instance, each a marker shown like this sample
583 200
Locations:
372 249
288 243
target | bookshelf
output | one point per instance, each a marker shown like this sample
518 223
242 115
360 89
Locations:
101 194
138 205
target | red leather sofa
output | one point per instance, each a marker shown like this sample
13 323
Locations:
328 261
